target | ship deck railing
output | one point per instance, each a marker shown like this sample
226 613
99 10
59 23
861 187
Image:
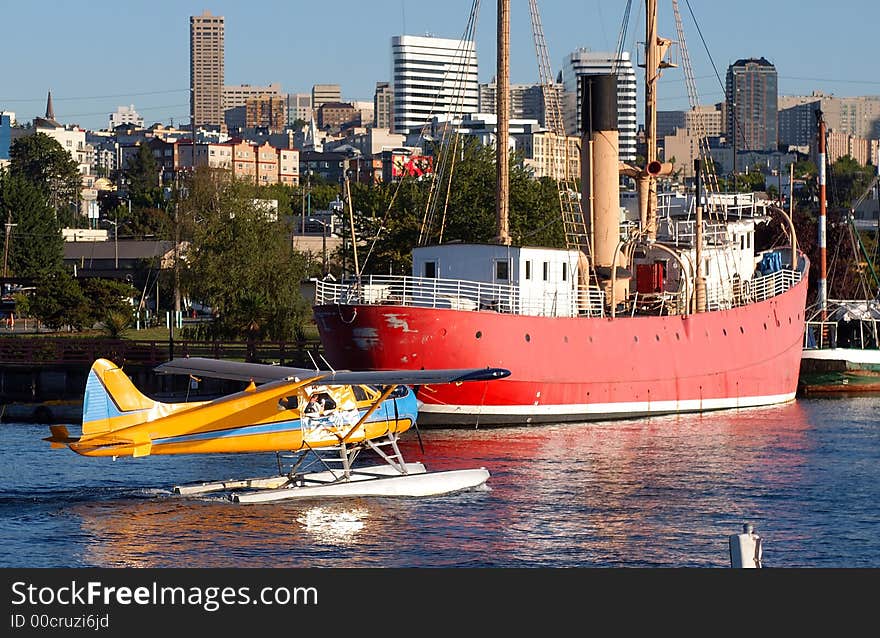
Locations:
458 294
858 334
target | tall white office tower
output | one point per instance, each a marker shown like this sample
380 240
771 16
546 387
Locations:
432 77
586 62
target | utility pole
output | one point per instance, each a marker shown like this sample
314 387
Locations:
9 226
357 268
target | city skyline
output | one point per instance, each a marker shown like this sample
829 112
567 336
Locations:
93 59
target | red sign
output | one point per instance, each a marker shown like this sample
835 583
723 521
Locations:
411 165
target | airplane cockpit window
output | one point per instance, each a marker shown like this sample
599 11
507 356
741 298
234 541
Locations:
359 393
399 392
327 401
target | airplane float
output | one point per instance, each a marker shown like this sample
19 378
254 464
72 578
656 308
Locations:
361 410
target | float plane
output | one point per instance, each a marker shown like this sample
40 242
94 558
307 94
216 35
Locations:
317 417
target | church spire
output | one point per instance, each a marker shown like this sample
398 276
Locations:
50 112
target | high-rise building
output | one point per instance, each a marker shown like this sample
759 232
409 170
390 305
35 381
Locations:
299 107
383 102
324 93
585 62
126 115
752 104
526 100
853 116
431 77
238 94
668 121
206 48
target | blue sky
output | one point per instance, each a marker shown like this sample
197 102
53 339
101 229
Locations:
97 55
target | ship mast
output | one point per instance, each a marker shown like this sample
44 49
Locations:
823 287
502 87
655 49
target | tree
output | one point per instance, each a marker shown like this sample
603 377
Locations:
413 211
848 181
42 161
242 263
142 174
147 200
58 301
107 296
36 247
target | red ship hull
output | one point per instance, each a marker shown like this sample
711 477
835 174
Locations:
577 368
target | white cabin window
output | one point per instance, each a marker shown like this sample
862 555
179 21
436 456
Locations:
528 270
546 271
502 270
564 271
431 269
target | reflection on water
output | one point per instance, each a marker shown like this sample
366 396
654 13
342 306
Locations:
664 491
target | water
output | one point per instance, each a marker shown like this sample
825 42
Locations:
660 492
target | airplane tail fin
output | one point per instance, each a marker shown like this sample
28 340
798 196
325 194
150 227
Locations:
112 401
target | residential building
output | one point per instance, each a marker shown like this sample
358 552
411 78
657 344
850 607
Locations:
838 145
383 104
329 166
332 115
585 62
266 159
210 155
854 116
548 155
752 103
267 111
126 115
432 77
705 120
206 52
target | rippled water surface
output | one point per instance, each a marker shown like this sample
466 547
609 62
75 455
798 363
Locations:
660 492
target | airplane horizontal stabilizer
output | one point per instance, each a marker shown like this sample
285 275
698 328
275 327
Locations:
60 437
261 372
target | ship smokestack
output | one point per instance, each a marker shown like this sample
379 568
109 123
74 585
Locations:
600 181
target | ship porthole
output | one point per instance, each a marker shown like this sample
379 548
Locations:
724 331
657 337
479 334
765 326
565 339
741 330
636 338
677 337
528 338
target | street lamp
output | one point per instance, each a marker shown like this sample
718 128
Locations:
323 244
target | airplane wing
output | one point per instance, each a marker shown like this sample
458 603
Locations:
262 372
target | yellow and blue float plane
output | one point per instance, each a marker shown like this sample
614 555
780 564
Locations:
299 411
